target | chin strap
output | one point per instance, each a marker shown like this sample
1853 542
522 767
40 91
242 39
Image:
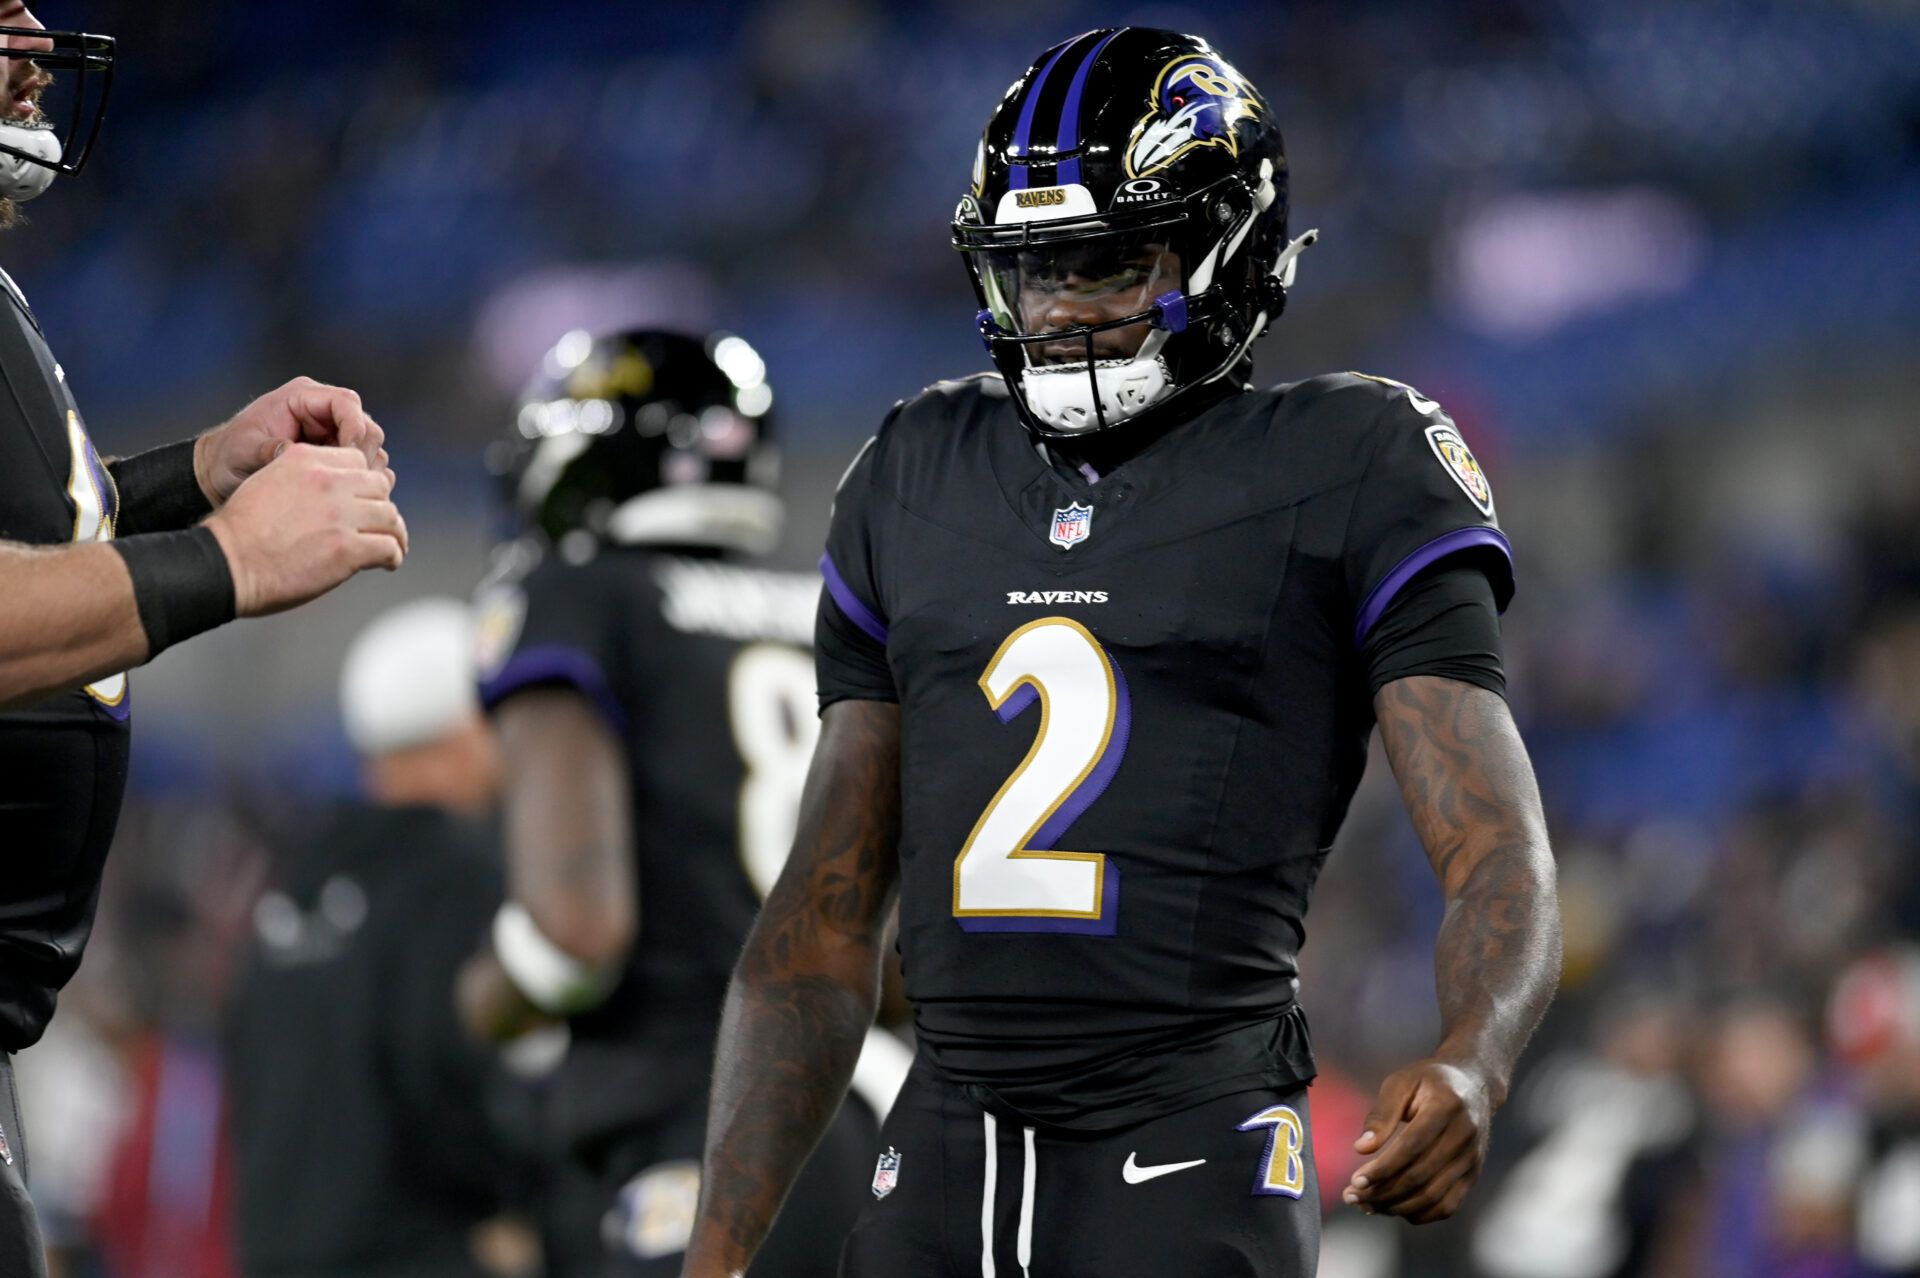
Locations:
1289 259
1273 288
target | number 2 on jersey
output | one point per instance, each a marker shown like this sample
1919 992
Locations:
1011 875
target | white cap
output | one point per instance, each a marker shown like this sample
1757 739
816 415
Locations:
409 678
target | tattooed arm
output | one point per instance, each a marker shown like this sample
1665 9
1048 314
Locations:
1467 784
804 991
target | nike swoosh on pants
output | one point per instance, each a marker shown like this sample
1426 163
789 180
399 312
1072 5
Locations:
1134 1174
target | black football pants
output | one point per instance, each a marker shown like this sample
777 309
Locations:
1225 1189
21 1252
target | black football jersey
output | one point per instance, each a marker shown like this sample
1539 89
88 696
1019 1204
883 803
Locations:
63 762
702 667
1133 714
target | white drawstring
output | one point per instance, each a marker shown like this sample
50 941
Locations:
986 1197
1029 1173
1024 1247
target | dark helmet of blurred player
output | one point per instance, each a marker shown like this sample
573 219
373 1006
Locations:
645 437
32 152
1126 230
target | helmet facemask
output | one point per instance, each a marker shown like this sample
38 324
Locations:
1085 323
33 152
1104 321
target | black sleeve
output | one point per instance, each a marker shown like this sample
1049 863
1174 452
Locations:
158 490
1422 499
850 634
553 626
1443 623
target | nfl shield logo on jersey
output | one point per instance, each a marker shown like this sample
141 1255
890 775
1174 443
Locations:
1071 525
886 1173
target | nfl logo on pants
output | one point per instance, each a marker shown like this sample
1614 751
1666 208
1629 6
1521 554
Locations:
1071 525
886 1173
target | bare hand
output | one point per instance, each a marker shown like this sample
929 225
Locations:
1427 1133
301 412
310 519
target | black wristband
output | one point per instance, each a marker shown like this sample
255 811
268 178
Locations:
181 584
158 490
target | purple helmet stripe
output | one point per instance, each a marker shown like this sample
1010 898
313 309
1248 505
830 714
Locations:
1070 114
1017 173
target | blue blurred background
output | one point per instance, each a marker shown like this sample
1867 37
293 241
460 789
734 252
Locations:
1660 260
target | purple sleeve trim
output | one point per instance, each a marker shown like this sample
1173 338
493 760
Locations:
856 612
555 663
1439 548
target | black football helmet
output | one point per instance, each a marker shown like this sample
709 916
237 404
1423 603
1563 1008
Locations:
35 144
1130 162
645 437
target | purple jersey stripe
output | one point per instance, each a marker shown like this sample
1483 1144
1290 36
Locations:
1439 548
856 612
1070 115
555 663
1017 173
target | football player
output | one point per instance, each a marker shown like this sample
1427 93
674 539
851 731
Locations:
654 700
104 563
1105 637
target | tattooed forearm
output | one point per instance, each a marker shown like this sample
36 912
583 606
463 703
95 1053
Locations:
805 989
1464 775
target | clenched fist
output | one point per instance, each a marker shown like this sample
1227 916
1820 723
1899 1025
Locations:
305 522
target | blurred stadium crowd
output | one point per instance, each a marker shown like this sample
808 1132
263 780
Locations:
1657 258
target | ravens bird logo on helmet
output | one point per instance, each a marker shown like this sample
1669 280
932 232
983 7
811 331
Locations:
1197 101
